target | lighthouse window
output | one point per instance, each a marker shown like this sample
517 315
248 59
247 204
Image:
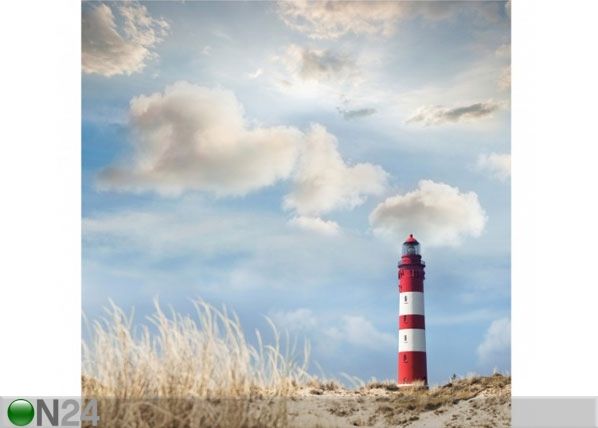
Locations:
404 357
405 338
405 298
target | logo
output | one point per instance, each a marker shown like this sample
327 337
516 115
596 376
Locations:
20 412
47 412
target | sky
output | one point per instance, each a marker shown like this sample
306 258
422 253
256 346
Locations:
273 157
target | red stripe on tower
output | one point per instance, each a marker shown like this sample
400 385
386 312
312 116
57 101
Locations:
412 321
412 364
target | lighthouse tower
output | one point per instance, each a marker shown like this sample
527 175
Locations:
412 365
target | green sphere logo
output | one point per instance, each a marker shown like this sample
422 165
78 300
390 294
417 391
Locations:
20 412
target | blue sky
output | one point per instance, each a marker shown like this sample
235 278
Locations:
273 157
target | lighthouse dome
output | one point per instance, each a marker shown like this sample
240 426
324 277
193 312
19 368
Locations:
410 246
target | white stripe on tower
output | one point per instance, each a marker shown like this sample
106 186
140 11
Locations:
412 340
412 303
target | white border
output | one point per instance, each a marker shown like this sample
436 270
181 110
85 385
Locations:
555 198
40 297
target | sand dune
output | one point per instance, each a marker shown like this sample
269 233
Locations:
471 402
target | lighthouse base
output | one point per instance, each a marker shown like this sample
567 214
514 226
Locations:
412 386
412 369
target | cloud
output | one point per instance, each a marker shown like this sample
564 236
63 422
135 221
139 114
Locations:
323 181
316 224
355 114
319 64
191 137
495 349
437 115
438 214
497 165
318 74
333 19
110 49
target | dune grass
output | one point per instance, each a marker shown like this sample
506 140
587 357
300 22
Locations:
188 371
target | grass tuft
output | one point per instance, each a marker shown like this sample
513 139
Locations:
198 371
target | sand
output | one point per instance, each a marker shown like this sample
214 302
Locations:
476 402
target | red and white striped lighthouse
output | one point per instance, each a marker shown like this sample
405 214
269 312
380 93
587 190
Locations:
412 366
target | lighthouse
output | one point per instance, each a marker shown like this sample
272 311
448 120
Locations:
412 366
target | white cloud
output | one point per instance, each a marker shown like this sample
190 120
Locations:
497 165
191 137
316 224
438 214
332 19
495 350
110 49
437 114
323 182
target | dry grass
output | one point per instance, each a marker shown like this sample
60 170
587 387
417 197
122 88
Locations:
474 401
193 372
410 402
322 385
